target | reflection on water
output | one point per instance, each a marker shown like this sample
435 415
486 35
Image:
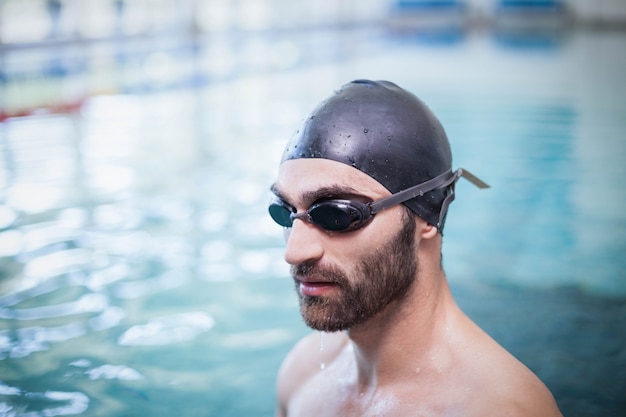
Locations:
58 403
137 261
167 330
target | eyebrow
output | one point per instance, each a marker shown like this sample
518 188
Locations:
331 191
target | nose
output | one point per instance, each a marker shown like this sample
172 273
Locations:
303 243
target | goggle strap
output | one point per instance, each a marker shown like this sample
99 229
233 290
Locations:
472 178
442 180
450 197
417 190
444 206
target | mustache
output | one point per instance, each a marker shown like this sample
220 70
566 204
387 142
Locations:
315 272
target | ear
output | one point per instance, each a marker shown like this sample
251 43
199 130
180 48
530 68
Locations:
428 231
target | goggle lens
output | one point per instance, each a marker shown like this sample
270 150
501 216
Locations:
281 213
336 216
332 215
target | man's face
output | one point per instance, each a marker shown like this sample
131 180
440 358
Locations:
344 279
375 281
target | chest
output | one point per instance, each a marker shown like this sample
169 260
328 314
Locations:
330 406
335 394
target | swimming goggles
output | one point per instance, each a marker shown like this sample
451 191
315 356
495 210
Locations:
336 215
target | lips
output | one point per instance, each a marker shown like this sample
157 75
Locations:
316 289
314 281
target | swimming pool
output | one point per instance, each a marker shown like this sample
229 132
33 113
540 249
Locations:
142 276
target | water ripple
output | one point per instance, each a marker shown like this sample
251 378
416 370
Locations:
88 303
22 342
147 286
167 329
72 403
114 372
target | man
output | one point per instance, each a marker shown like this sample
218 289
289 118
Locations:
362 191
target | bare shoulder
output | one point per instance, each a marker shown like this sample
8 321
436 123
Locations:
304 361
490 381
521 396
511 389
529 396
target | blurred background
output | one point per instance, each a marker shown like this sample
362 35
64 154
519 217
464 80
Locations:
139 272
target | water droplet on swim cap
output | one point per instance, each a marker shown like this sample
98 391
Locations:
385 132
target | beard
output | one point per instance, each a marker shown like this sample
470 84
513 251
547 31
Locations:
378 280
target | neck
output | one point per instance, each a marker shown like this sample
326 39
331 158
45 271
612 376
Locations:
398 342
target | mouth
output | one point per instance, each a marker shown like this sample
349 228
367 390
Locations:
315 281
315 288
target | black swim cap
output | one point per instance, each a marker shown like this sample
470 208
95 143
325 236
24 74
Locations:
387 133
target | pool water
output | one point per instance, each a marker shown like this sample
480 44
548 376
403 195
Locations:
140 274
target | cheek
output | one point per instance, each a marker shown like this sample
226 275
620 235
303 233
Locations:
386 225
352 247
